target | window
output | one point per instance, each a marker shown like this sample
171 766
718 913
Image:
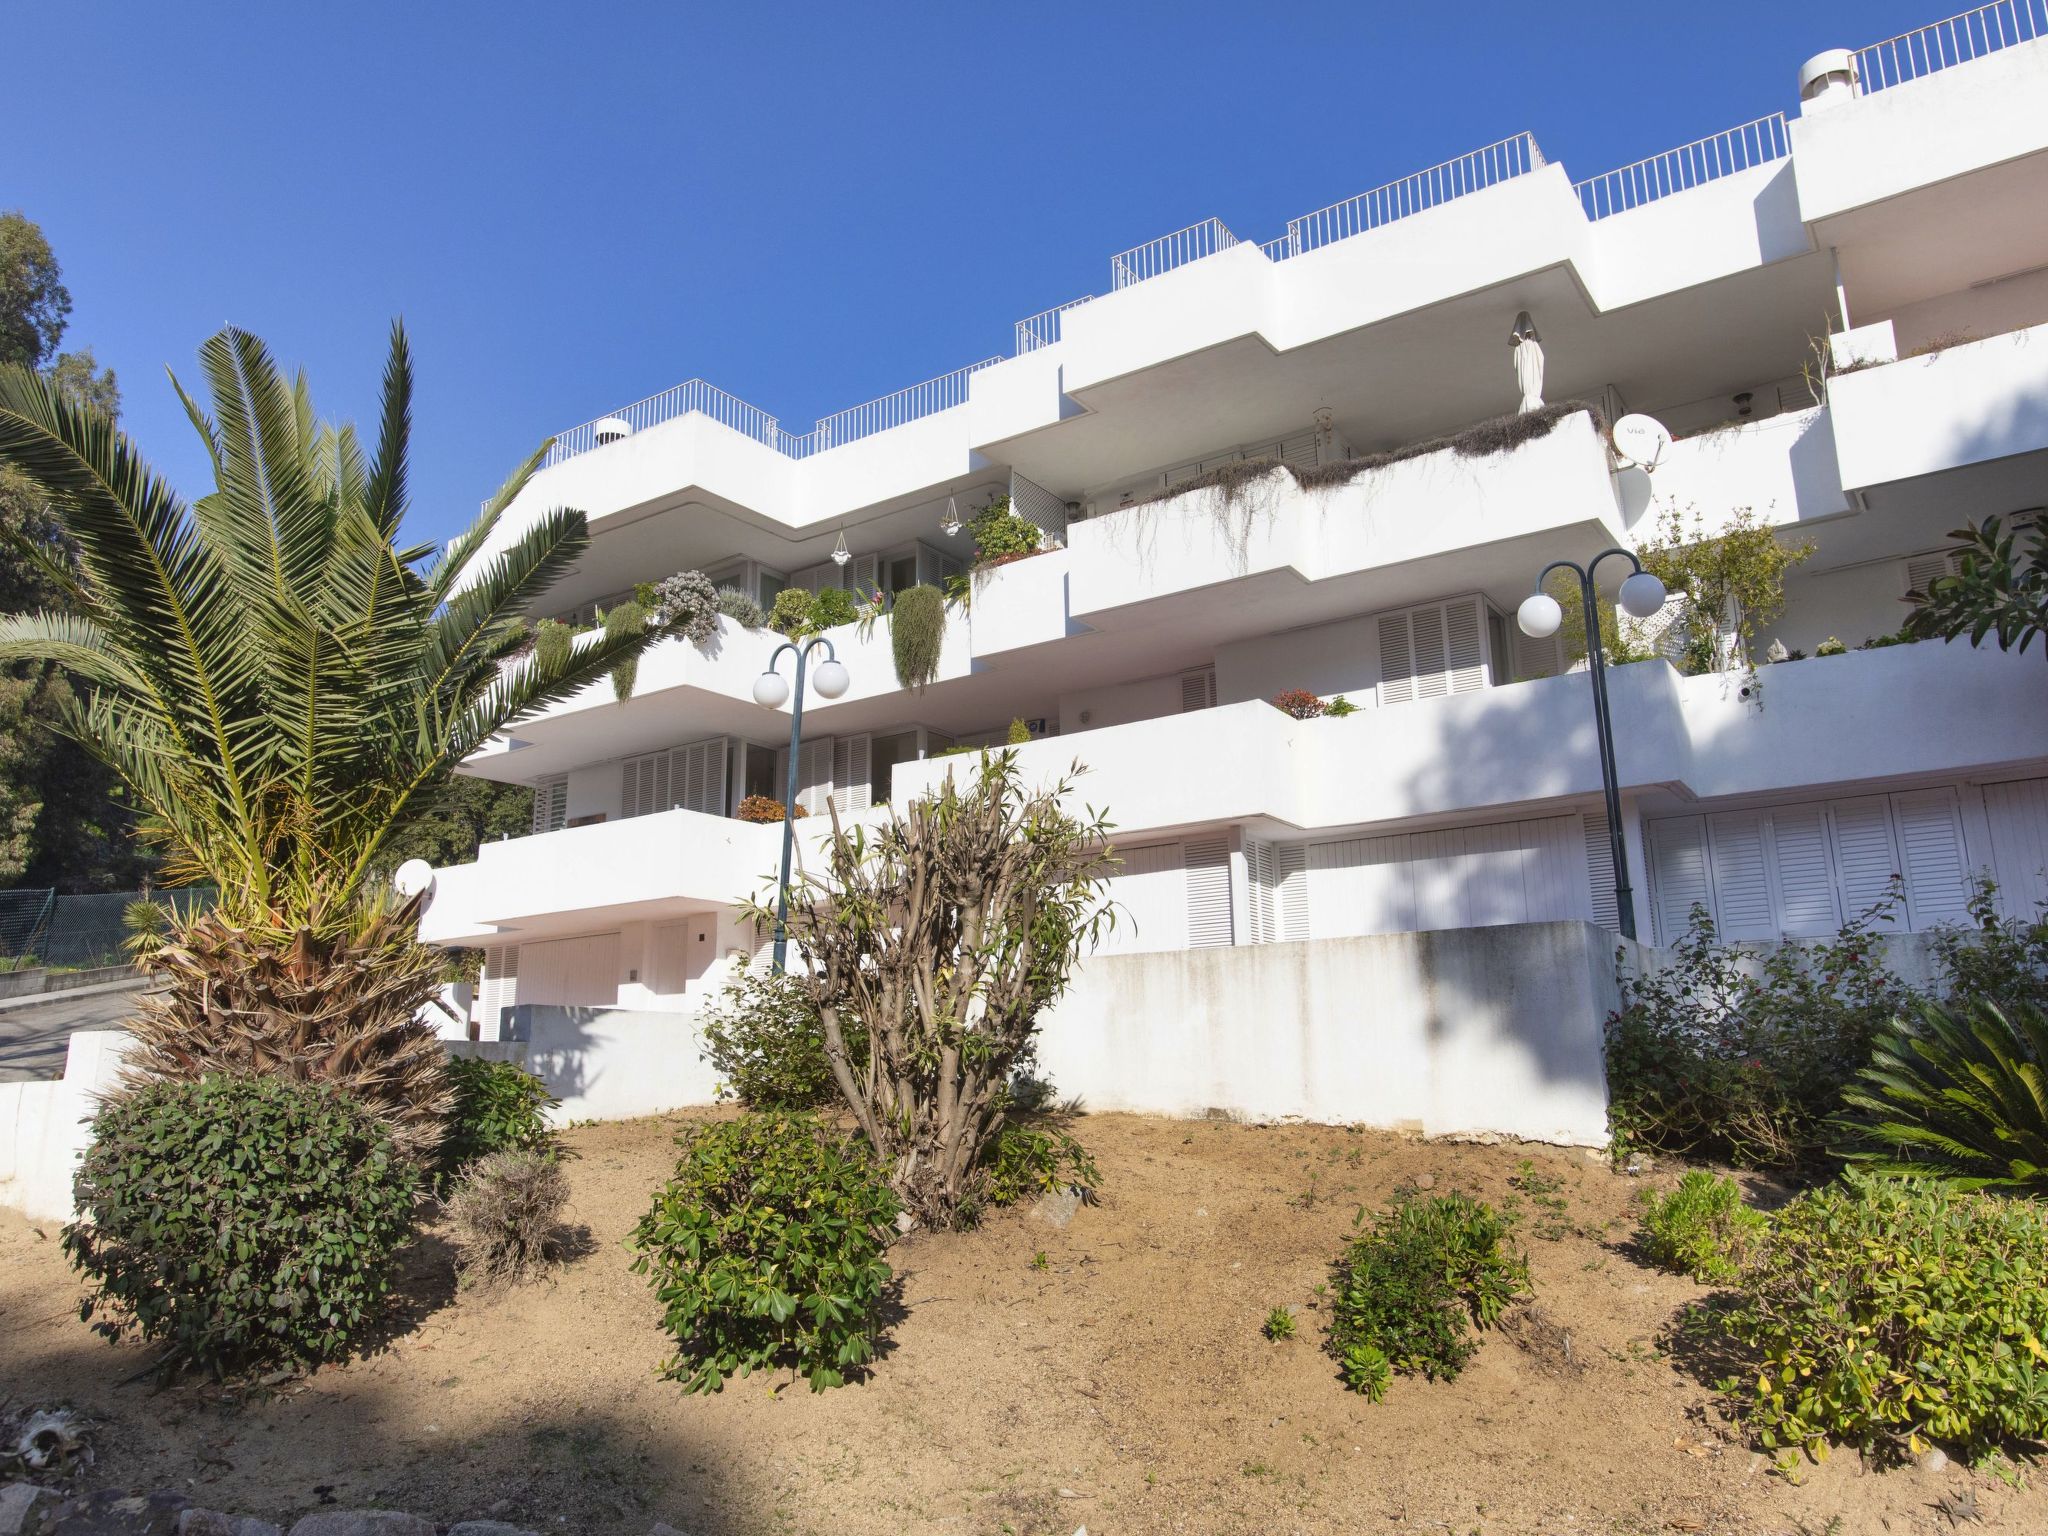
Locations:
691 777
551 803
1432 651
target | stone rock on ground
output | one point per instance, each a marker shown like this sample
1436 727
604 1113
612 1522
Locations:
362 1522
211 1522
488 1528
1057 1208
16 1501
106 1512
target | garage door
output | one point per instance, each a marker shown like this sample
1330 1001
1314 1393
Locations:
571 973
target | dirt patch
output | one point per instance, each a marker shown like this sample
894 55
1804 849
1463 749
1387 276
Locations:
1124 1385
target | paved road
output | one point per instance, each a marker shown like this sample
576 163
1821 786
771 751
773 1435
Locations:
34 1032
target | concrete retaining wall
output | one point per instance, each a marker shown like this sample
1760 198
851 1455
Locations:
44 1126
605 1063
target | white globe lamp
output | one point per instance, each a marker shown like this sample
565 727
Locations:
771 690
831 679
1539 615
1641 595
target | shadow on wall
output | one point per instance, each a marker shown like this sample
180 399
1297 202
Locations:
605 1063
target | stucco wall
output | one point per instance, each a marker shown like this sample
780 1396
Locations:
44 1126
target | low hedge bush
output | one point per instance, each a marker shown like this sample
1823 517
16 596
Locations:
498 1107
765 1039
1409 1289
1891 1313
1701 1229
1023 1160
240 1221
766 1250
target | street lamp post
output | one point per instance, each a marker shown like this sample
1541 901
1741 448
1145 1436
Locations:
770 692
1642 594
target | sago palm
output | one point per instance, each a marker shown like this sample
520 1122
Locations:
280 681
1959 1092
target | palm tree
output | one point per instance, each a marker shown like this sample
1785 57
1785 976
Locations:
279 683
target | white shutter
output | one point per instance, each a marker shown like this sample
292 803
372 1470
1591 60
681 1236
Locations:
1397 660
1198 689
1426 631
1742 884
1803 872
1466 655
1536 658
499 991
850 774
1931 842
1208 892
1299 450
1149 889
864 575
1290 870
814 776
1866 855
1258 875
816 578
2018 815
1600 872
1923 569
551 803
1678 866
572 973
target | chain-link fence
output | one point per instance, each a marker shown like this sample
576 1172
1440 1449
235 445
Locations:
40 927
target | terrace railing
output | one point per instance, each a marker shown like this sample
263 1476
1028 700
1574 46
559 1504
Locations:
906 405
692 395
1155 257
1514 156
1689 165
1043 328
1926 50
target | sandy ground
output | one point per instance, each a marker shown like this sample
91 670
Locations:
1124 1385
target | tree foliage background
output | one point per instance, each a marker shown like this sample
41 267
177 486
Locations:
63 820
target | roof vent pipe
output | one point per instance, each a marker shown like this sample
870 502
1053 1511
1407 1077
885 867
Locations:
1827 80
611 429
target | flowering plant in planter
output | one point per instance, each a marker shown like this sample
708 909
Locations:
762 809
1300 703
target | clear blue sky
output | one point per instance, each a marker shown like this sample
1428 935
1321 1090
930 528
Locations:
574 206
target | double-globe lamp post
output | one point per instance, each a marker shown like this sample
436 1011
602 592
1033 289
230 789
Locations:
771 691
1642 594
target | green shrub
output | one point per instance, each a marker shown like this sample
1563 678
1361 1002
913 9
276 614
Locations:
917 634
834 606
1999 959
1410 1287
239 1221
763 1036
1959 1092
498 1107
1279 1324
623 619
1741 1057
1890 1313
794 613
741 608
552 642
1019 734
765 1250
999 533
685 604
1702 1228
506 1212
1026 1160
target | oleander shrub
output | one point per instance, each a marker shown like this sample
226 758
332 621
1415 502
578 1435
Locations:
687 604
505 1212
1023 1160
1702 1228
240 1221
498 1107
764 1037
1959 1092
1410 1288
1893 1313
1300 703
762 809
765 1251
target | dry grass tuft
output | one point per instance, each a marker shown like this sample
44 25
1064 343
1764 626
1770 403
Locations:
506 1212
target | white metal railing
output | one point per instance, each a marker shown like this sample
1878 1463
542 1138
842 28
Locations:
1689 165
1154 257
1514 156
906 405
691 395
1043 328
1957 40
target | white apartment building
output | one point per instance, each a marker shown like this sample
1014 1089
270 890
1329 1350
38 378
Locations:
1893 222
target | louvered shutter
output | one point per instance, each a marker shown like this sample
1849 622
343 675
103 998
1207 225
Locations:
1866 855
551 803
1678 862
1149 890
1803 872
1426 633
1208 892
1465 650
814 776
1742 884
1600 872
1258 875
1291 909
1299 450
815 578
499 989
2018 817
1923 569
1931 845
850 774
1198 689
1536 657
1397 660
864 575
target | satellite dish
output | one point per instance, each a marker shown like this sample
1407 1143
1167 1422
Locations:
413 877
1641 441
